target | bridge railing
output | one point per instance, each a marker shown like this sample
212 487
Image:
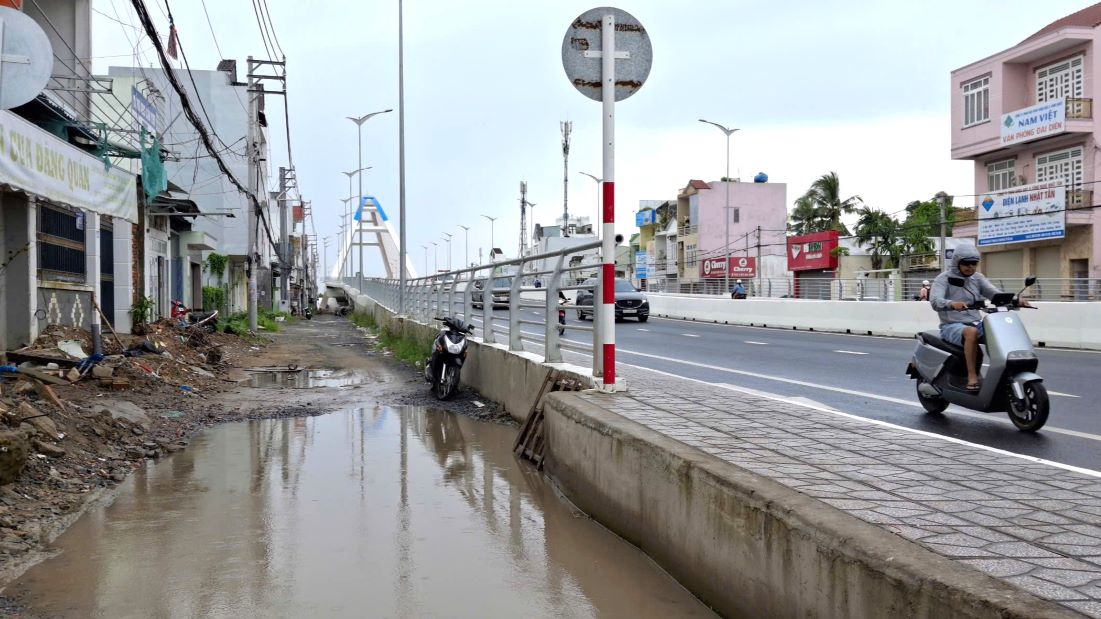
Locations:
534 284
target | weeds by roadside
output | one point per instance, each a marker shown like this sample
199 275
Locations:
265 320
405 349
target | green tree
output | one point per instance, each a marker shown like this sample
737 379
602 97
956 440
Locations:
804 218
825 195
923 222
879 232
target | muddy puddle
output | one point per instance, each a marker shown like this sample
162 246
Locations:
306 379
380 512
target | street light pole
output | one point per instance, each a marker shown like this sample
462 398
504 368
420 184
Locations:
425 259
348 211
491 220
359 204
726 209
448 239
435 256
598 181
466 245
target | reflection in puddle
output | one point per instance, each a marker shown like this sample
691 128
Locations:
305 379
366 513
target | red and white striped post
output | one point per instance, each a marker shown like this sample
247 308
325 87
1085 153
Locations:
607 276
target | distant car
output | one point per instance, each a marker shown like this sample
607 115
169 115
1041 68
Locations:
499 297
629 301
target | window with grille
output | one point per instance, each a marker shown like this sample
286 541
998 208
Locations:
690 256
1000 175
1063 79
976 101
1063 165
60 244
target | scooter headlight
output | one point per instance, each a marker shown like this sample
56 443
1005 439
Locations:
454 347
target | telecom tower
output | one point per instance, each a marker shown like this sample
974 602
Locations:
566 126
524 204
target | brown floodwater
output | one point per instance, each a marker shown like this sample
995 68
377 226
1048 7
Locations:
381 512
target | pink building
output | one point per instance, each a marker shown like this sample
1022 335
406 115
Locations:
1024 116
702 232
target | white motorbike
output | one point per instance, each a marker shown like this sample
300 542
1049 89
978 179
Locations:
1011 383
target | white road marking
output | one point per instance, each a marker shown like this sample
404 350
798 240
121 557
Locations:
1063 395
850 352
647 330
756 343
689 335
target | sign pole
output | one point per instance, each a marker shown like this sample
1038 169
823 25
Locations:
607 99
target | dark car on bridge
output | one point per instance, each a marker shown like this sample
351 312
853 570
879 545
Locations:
629 301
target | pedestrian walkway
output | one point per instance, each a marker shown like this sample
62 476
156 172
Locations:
1031 524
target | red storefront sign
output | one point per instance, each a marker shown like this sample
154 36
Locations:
813 252
740 266
299 213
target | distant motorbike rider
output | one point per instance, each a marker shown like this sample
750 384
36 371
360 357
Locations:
960 325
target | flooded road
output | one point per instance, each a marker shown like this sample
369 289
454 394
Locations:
378 512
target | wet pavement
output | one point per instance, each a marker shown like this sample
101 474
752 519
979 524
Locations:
306 379
377 512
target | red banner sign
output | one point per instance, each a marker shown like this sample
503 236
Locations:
813 252
740 266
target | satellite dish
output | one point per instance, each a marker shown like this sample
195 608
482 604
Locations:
26 58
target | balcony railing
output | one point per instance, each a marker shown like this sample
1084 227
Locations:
686 230
1079 198
1079 109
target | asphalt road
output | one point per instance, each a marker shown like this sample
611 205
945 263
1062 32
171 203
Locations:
859 375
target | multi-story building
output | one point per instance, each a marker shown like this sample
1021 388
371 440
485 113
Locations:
1024 116
657 240
757 212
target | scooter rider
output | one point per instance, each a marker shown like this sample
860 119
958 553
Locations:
958 324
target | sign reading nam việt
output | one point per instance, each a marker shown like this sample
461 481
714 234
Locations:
1035 122
1030 213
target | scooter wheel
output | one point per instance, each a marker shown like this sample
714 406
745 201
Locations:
1030 414
934 405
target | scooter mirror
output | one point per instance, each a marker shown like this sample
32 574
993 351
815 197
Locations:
1030 280
956 281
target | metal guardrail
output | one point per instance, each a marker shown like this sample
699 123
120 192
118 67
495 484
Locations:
451 293
874 289
1079 108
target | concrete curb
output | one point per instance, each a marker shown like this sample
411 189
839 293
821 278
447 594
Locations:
749 546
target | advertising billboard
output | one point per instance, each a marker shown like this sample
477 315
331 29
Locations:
740 266
644 218
1034 122
1029 213
812 252
641 265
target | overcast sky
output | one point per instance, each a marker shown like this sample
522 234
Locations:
861 88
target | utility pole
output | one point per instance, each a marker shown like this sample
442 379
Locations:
256 92
726 209
758 268
567 127
943 231
284 241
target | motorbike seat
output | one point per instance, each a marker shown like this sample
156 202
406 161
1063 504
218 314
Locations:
932 338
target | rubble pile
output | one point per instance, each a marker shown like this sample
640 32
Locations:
71 424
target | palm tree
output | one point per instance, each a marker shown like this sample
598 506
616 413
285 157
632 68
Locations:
804 218
880 232
825 195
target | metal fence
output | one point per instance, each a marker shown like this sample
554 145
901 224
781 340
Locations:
453 294
871 288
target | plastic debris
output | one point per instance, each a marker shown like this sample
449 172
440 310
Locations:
72 348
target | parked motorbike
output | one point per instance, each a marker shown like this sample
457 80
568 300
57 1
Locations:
208 321
308 313
441 370
1011 383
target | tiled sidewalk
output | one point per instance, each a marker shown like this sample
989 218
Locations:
1034 525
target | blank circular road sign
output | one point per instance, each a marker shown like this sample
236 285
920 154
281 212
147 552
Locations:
584 35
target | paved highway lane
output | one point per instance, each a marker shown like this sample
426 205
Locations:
862 376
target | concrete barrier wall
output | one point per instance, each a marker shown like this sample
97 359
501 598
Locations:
512 379
1068 325
748 546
